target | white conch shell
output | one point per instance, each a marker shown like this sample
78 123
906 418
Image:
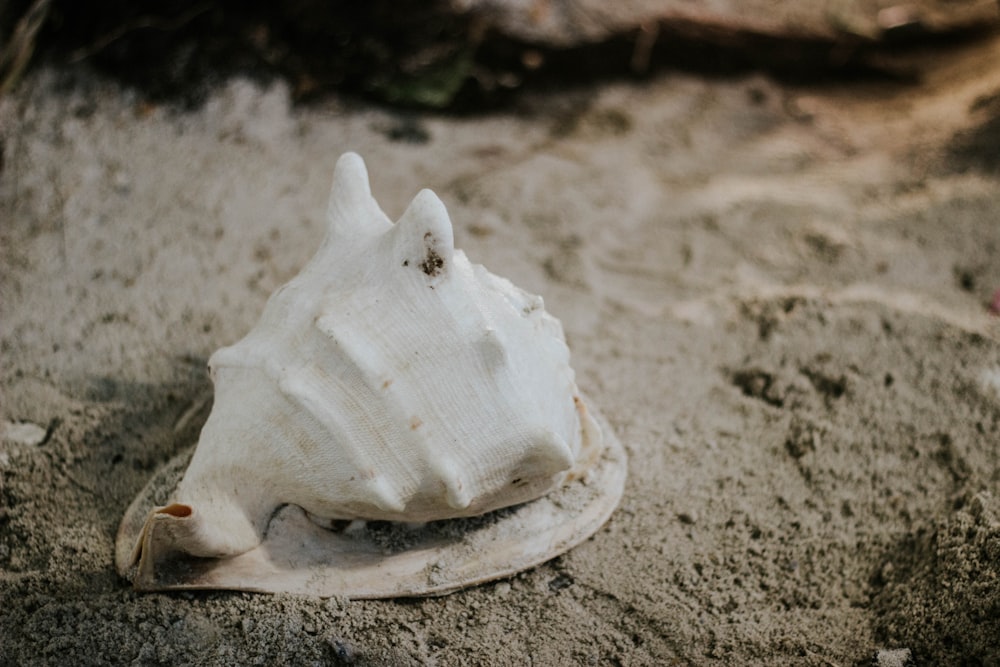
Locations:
390 380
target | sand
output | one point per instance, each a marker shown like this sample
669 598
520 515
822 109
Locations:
778 297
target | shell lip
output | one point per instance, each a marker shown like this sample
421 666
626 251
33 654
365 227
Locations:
382 560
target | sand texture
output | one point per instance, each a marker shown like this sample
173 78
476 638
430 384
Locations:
777 296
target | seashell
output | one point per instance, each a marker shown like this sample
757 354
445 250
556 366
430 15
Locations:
390 381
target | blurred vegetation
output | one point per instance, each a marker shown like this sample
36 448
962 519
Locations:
408 53
19 28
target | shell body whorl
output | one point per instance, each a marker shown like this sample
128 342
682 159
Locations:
390 380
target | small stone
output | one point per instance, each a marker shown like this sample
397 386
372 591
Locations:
502 589
342 650
23 433
894 657
122 182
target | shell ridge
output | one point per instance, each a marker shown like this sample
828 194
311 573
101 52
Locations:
296 387
392 388
451 340
485 355
454 338
353 346
432 442
492 348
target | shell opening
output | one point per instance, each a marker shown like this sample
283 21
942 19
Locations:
178 510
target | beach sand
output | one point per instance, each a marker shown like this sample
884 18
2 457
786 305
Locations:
777 295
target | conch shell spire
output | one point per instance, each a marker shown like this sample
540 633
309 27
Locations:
352 212
424 237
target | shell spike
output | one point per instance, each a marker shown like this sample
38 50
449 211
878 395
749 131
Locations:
456 493
424 238
352 211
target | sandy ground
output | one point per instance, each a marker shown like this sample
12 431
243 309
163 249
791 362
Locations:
777 296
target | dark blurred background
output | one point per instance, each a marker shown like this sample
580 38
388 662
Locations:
465 55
